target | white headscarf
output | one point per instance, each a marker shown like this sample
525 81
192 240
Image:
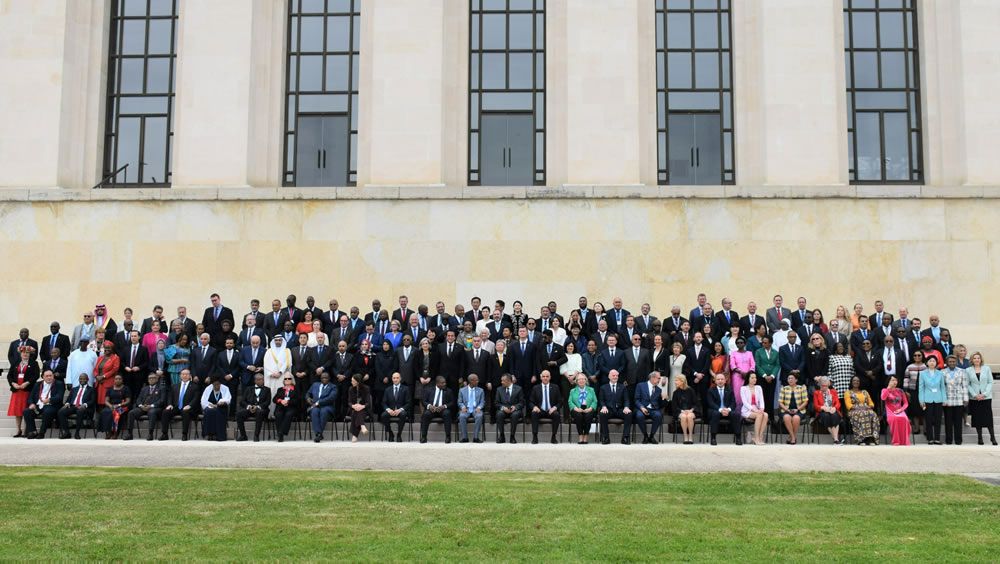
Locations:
277 358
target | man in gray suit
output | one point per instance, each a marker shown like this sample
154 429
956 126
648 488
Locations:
776 314
471 402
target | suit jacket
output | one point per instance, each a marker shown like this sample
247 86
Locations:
341 365
447 396
471 399
155 397
56 393
791 362
698 324
589 321
834 337
212 324
405 365
857 339
402 316
189 326
721 325
294 397
322 359
637 370
447 323
14 357
302 362
141 358
249 397
327 398
558 356
452 366
715 403
881 333
191 397
625 335
642 325
203 364
271 327
771 316
496 330
535 398
294 315
497 369
392 400
796 319
247 358
644 399
258 318
62 342
245 335
345 334
805 332
89 397
513 398
863 364
479 367
59 369
748 328
685 341
899 323
147 325
614 401
375 339
873 320
234 367
606 362
331 319
671 325
613 325
697 363
523 365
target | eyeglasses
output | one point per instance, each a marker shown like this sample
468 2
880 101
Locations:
288 379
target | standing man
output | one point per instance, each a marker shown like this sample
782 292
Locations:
54 340
215 315
776 314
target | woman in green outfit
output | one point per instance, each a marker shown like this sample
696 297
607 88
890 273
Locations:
582 404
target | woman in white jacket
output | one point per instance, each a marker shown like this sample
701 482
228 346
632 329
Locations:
753 408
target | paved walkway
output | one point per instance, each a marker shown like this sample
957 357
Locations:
438 457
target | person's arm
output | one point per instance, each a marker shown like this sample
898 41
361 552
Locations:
847 401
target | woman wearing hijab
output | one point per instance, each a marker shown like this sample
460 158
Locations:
277 364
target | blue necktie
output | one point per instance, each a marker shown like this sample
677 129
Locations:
180 396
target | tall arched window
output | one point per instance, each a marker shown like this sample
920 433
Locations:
139 122
694 92
507 92
321 105
883 91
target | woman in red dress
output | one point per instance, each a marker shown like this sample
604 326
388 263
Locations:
21 378
105 370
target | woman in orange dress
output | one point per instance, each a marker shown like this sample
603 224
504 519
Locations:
105 370
306 325
21 378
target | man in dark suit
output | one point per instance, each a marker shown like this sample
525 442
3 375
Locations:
614 403
81 403
322 358
203 361
402 315
876 319
884 330
395 403
499 364
274 322
302 369
147 324
751 321
510 406
496 326
644 321
696 366
861 335
806 330
405 361
148 404
544 403
473 314
13 351
452 363
868 367
672 324
699 322
214 316
649 406
340 372
477 361
187 324
331 317
628 330
835 336
373 315
638 362
685 336
802 315
343 332
291 312
44 401
255 314
792 359
721 405
184 403
228 368
254 403
311 307
122 339
134 361
523 360
550 355
587 317
251 327
616 316
611 358
58 365
437 404
725 319
54 340
600 337
905 344
320 399
252 360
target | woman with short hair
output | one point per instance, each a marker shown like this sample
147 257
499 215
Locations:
826 403
582 406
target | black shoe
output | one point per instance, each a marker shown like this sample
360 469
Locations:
513 441
739 441
652 441
127 437
149 437
534 440
256 438
463 441
281 438
981 441
477 441
18 435
31 435
555 440
423 440
76 436
241 438
626 441
713 443
164 437
501 439
447 440
390 436
184 437
67 435
603 442
399 438
645 440
317 438
689 442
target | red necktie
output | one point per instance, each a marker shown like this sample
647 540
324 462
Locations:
779 313
79 398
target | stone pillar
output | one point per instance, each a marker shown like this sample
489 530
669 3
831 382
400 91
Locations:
980 72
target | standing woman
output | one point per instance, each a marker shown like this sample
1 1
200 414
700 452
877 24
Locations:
582 403
956 397
817 319
599 313
117 401
306 325
359 400
105 369
895 403
981 396
753 408
426 365
393 336
21 379
685 405
558 333
844 323
932 395
841 369
659 356
768 367
817 360
962 356
589 360
861 412
859 312
178 358
676 363
568 371
741 367
149 340
911 386
718 362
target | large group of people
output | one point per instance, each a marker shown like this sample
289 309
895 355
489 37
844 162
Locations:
855 375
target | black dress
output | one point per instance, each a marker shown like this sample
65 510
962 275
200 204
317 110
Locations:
683 400
358 394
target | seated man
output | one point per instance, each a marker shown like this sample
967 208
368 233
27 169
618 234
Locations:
183 403
395 402
544 403
81 404
648 406
722 404
437 403
615 403
46 398
149 402
255 402
510 405
471 402
320 400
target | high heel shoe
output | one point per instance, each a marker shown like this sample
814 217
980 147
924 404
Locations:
994 441
364 430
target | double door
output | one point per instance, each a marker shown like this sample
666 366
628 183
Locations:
507 148
695 148
322 150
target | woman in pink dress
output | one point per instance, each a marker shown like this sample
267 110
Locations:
154 336
741 366
895 413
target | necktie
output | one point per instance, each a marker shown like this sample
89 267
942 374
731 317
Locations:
778 309
132 362
180 396
204 352
722 398
437 397
522 347
216 313
79 398
888 361
476 355
322 388
612 388
302 352
550 349
545 398
319 350
395 391
52 343
449 350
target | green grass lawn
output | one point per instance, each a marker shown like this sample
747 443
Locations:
132 513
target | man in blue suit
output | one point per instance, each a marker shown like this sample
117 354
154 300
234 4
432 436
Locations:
471 402
321 398
648 406
611 358
523 360
252 361
395 403
614 403
792 359
722 405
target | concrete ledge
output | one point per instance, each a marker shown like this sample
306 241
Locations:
442 192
